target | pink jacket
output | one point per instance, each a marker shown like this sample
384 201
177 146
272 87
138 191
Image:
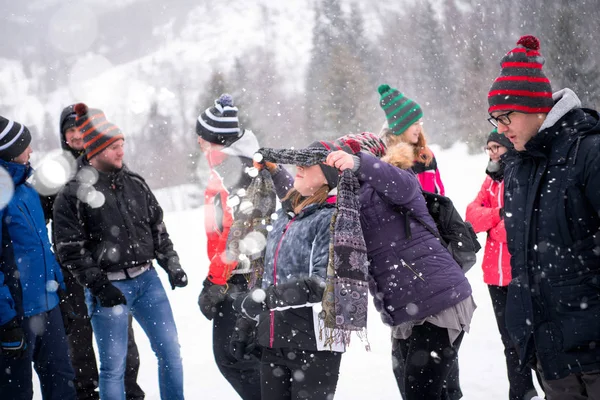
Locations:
484 214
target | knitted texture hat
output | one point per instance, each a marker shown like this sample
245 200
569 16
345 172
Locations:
499 138
400 111
219 124
98 133
14 139
522 85
367 141
345 298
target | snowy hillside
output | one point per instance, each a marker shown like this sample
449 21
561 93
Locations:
363 374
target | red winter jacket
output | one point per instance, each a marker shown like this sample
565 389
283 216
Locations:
429 177
228 179
484 214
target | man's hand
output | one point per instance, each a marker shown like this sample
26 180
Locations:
177 277
210 297
66 310
109 295
12 339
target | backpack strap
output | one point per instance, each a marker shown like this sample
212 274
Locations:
409 214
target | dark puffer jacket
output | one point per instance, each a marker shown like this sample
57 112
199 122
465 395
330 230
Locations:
411 278
552 201
296 260
125 228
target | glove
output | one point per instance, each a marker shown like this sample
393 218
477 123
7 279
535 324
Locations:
250 304
67 311
243 344
271 167
210 297
12 339
177 277
501 212
109 295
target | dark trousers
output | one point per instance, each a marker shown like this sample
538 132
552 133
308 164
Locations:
243 376
520 383
81 349
291 374
451 387
421 376
47 349
574 387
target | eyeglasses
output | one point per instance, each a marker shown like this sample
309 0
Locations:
502 118
493 149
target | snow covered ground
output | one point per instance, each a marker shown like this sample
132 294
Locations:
363 374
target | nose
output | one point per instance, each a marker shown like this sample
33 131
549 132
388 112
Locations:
502 128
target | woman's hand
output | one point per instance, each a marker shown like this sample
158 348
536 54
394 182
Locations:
265 164
340 159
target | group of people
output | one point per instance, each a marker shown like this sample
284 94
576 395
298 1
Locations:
352 220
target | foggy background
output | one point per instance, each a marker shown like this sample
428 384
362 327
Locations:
297 69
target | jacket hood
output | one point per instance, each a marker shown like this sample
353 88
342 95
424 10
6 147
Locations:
400 155
564 101
245 146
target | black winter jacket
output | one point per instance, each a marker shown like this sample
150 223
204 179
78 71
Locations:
552 201
120 227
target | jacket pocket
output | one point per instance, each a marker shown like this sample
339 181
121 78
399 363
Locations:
576 306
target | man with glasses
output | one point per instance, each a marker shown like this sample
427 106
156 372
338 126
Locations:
552 205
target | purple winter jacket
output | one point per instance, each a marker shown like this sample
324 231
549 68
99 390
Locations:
411 279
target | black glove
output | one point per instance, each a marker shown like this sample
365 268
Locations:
210 297
109 295
250 304
12 339
243 344
66 310
177 277
501 212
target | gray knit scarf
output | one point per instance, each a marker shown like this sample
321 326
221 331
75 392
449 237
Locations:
345 300
247 235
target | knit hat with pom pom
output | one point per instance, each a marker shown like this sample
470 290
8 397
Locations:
14 139
219 124
98 133
400 111
522 85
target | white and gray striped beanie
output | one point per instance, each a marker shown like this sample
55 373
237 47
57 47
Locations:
14 139
219 124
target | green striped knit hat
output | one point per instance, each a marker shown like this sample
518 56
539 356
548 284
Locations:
400 111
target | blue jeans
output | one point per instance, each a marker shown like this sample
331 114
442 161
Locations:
48 350
149 305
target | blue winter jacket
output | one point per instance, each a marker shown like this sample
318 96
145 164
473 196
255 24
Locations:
552 203
297 253
29 272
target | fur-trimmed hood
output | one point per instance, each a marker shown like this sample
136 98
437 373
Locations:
401 155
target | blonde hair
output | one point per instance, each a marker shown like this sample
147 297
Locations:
421 152
298 202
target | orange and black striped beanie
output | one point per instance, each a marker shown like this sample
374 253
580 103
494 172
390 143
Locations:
98 133
522 85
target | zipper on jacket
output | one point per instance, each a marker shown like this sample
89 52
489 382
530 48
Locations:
500 250
272 313
43 251
413 271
